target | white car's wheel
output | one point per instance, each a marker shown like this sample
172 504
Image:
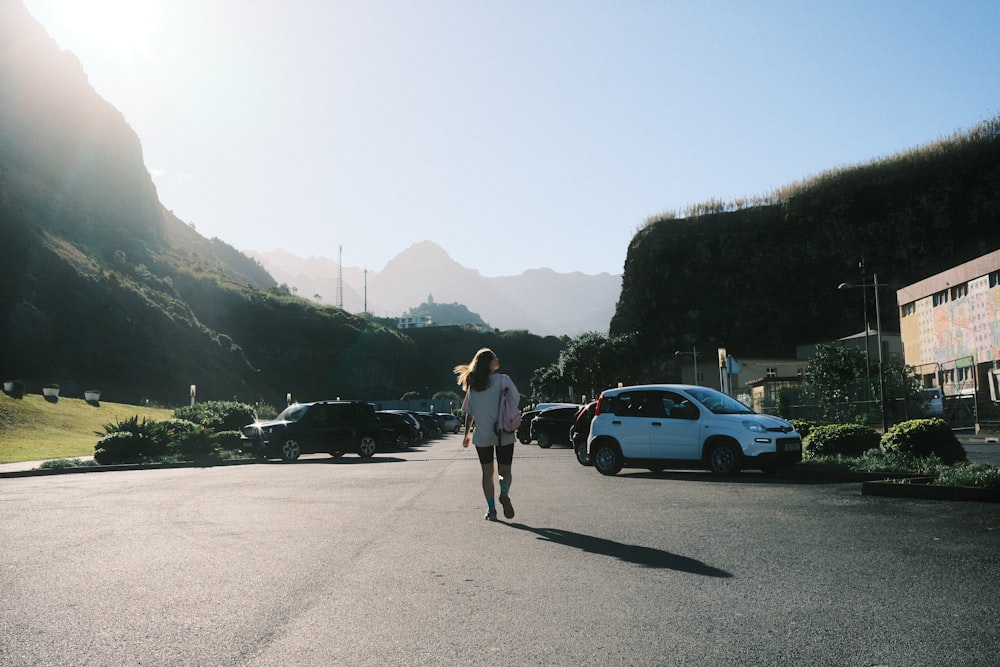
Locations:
723 459
607 457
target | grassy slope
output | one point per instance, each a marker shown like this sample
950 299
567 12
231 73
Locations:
35 429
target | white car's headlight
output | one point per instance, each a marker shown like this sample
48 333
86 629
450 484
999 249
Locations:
755 427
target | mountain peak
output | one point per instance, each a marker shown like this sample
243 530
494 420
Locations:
540 300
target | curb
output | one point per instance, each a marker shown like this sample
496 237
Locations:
41 472
923 488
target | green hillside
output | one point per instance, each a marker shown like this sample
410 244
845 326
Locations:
760 277
34 428
101 286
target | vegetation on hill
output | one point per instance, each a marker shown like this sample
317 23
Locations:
760 277
33 428
102 286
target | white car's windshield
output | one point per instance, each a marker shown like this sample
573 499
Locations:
719 403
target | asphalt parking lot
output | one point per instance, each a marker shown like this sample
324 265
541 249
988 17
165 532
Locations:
388 561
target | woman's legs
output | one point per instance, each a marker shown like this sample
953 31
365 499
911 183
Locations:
505 479
486 461
505 456
488 488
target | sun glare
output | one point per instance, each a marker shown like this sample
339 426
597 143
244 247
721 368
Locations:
121 26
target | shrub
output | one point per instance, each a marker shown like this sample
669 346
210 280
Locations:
129 441
169 431
218 415
122 447
980 475
803 426
146 427
227 440
59 464
196 444
839 439
924 437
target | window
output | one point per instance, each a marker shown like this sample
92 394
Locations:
676 406
958 291
771 373
908 309
940 298
635 404
994 278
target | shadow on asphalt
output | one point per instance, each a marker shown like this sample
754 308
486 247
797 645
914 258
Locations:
630 553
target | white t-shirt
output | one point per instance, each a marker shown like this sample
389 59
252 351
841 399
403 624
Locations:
484 406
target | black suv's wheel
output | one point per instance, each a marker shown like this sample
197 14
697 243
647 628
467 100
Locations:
366 447
290 449
607 458
582 457
402 441
544 440
723 459
524 440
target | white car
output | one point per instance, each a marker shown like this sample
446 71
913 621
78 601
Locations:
660 426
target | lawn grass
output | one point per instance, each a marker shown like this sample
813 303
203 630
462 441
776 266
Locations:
33 428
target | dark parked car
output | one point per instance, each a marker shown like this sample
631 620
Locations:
429 424
450 422
397 428
332 427
552 426
524 435
580 431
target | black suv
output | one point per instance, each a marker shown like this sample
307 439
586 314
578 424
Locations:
552 426
332 427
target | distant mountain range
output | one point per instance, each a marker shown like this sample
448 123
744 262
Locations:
541 301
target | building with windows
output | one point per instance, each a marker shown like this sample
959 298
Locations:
415 322
950 328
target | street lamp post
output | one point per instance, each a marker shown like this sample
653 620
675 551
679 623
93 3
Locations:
694 355
878 337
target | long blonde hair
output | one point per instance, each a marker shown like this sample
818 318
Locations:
476 374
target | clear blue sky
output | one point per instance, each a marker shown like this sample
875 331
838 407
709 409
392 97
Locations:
517 134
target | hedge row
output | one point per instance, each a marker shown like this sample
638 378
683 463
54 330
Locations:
916 437
203 432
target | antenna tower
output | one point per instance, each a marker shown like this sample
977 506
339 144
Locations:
340 277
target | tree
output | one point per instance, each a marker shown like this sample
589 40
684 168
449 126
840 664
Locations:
846 390
588 365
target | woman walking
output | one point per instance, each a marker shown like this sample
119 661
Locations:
482 386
